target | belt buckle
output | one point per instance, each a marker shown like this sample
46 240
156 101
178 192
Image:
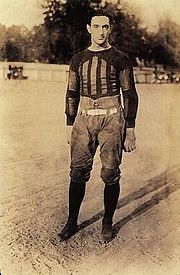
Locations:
96 104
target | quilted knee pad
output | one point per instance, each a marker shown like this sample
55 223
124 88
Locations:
110 176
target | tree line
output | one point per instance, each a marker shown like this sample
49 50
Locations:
63 33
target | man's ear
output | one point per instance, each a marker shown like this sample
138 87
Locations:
111 26
88 28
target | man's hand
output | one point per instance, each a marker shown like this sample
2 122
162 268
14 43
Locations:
68 134
130 140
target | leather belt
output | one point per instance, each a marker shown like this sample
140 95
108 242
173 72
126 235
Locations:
108 102
98 112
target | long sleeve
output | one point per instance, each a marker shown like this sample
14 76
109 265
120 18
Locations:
72 94
129 95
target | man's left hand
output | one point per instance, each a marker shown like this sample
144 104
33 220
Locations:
130 140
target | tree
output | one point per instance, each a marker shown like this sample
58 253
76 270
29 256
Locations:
128 36
17 43
38 47
11 52
66 22
64 33
166 43
2 41
14 43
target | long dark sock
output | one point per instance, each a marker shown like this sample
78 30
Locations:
76 195
111 195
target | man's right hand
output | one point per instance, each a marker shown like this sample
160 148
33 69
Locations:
68 134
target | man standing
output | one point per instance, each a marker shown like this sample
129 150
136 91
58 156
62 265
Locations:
96 117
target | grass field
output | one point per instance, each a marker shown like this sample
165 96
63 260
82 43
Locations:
34 161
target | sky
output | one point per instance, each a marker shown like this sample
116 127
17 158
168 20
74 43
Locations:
20 12
152 11
29 12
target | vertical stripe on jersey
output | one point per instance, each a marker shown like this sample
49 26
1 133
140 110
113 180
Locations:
104 77
89 76
108 71
85 77
94 75
113 81
98 79
81 78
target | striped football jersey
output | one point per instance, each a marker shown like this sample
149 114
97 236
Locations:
98 74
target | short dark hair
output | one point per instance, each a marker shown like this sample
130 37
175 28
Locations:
100 13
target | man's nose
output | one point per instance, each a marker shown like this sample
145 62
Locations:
101 31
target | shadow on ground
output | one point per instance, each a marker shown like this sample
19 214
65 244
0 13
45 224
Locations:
166 182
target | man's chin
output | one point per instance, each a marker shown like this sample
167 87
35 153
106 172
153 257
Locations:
101 42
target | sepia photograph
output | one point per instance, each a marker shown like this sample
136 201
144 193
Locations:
89 137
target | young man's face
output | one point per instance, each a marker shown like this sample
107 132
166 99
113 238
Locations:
100 29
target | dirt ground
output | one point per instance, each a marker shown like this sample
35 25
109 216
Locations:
34 167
